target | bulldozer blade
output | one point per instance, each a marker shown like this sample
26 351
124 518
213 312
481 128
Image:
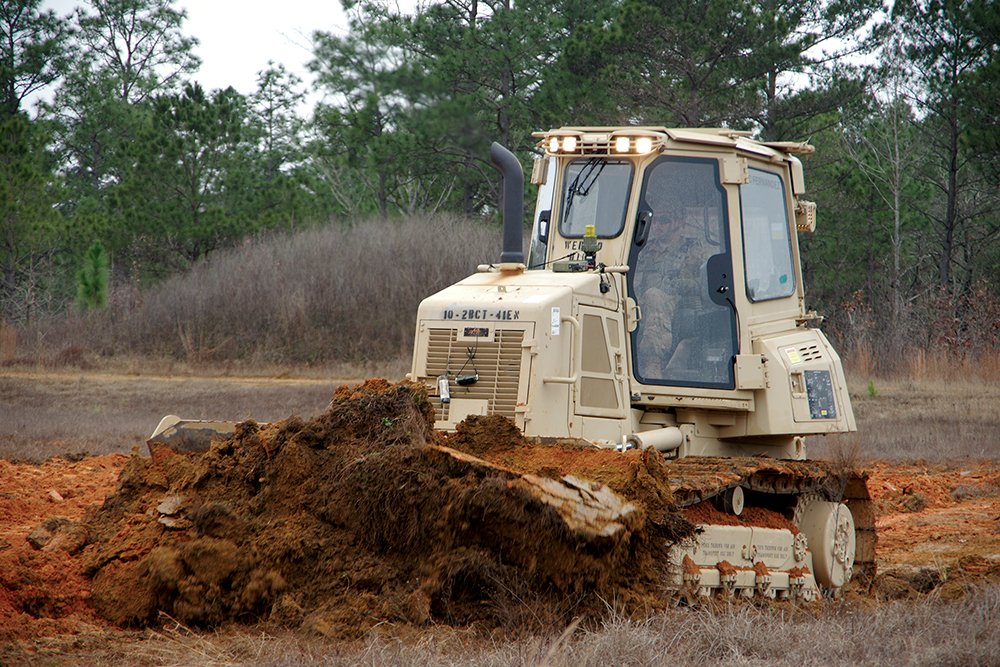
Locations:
590 510
188 435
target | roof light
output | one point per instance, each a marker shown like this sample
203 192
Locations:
643 145
569 144
554 145
622 144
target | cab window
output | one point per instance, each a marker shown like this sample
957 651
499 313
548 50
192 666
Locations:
681 278
595 192
767 244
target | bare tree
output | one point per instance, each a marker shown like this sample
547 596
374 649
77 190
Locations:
887 150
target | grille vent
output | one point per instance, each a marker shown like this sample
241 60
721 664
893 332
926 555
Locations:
497 361
810 352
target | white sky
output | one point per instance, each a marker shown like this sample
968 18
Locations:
238 37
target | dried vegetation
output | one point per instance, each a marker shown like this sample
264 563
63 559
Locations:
343 292
930 419
896 634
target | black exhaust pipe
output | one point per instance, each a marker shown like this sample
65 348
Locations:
513 203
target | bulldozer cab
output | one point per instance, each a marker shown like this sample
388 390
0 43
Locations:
661 301
668 214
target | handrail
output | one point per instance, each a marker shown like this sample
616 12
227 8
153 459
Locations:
577 359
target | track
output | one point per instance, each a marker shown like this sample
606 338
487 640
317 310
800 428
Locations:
776 486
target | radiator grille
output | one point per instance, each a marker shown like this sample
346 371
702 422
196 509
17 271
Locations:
497 361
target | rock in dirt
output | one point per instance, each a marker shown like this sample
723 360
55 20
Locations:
362 516
58 533
45 531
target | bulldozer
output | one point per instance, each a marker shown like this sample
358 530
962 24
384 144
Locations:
660 307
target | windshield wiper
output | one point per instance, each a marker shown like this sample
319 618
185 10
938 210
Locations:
584 181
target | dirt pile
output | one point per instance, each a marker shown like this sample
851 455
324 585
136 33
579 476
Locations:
366 515
360 516
938 526
918 486
945 581
42 588
637 475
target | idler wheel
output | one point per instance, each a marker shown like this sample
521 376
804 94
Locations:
829 528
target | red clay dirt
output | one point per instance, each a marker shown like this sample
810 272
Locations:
938 526
43 591
347 520
350 520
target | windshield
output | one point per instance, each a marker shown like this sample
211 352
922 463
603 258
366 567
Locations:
595 192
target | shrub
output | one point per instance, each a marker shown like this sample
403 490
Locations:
331 293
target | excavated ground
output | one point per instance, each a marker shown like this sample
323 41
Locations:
344 522
349 520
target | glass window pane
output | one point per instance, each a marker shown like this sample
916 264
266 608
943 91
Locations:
595 192
685 337
767 245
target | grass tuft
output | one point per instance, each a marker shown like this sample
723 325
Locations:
839 633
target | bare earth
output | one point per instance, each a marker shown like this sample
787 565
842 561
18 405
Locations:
47 414
938 523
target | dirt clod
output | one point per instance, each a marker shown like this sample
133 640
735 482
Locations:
46 531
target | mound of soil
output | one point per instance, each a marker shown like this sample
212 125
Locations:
42 588
915 487
938 526
359 517
638 475
365 515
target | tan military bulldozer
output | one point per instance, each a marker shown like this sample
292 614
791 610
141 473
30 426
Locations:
660 308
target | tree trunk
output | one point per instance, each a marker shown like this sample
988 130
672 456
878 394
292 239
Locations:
383 207
951 211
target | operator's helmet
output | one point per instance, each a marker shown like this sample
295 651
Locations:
667 213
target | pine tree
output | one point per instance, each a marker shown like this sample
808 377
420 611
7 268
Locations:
92 280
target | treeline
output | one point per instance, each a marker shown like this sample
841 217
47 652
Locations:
130 171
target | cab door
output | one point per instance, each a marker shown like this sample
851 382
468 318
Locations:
681 278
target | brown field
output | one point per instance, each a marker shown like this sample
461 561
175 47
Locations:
932 449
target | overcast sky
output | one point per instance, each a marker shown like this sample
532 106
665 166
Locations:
238 37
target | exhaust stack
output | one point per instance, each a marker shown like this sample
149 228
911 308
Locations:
513 203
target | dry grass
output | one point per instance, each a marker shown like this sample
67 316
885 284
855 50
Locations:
898 634
921 365
112 405
920 418
336 293
43 415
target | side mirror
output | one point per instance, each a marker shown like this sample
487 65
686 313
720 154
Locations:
543 226
642 224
